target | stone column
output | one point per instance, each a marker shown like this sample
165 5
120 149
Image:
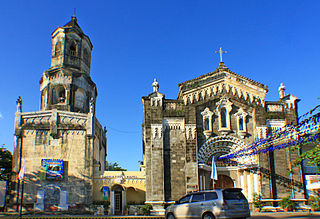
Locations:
112 202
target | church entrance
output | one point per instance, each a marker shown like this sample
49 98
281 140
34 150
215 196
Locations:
208 159
117 199
223 181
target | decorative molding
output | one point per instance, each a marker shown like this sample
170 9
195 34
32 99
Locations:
241 114
224 103
261 132
275 125
207 122
156 131
190 131
224 145
173 123
275 108
202 93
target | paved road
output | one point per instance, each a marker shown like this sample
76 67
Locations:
300 215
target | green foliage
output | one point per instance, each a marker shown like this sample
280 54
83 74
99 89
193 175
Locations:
314 202
313 155
114 167
5 164
105 203
287 203
146 209
257 201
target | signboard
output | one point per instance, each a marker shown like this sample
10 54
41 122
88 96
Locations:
51 169
105 192
3 189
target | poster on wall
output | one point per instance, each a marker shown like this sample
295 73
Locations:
105 192
3 189
51 169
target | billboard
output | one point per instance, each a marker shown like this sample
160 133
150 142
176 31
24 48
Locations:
51 169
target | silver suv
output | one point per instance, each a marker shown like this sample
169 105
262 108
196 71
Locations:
217 203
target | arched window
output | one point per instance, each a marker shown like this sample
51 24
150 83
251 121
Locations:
80 99
59 94
223 118
241 124
86 57
58 49
206 124
73 49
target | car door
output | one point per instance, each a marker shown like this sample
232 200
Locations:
196 205
181 207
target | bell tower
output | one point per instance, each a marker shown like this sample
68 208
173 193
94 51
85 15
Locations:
67 84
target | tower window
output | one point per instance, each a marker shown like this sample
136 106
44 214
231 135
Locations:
58 49
73 49
59 94
80 99
86 57
223 118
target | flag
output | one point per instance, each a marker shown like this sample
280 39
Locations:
214 173
21 173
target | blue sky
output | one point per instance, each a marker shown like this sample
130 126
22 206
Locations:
173 40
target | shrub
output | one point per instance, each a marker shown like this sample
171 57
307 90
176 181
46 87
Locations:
257 201
287 203
314 202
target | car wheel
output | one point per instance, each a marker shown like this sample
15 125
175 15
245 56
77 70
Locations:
170 216
208 216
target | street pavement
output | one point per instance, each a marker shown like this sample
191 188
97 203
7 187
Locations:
254 215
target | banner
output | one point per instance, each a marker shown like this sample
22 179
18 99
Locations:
3 190
214 172
21 172
51 169
105 193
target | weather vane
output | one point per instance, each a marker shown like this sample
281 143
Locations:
221 52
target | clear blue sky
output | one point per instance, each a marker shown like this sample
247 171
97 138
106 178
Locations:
173 40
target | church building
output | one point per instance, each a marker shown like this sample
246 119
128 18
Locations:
215 114
62 144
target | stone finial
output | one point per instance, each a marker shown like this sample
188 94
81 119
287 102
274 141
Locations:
281 90
155 85
19 104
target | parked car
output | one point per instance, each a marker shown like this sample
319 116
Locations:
217 203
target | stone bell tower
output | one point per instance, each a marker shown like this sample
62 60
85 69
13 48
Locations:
67 84
63 145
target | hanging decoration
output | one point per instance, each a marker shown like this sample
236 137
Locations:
308 130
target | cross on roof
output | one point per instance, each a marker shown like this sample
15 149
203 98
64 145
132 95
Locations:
220 51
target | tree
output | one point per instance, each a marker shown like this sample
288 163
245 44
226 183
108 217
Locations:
5 164
313 156
114 167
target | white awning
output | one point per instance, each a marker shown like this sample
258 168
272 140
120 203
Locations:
315 185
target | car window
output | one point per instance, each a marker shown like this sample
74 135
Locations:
197 197
210 196
184 199
233 194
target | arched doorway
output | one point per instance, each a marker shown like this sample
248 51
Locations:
223 181
227 170
117 199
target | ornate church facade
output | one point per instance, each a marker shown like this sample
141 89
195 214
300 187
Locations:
63 144
216 114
